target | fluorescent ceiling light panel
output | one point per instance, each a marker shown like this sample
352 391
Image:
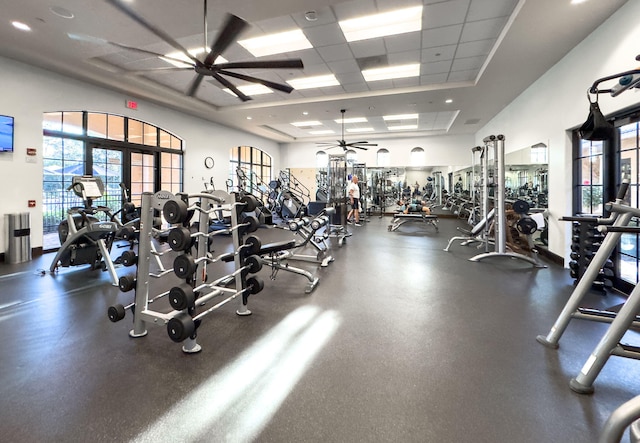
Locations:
251 90
402 127
322 132
307 123
287 41
402 71
360 130
395 22
352 120
187 62
319 81
21 26
398 117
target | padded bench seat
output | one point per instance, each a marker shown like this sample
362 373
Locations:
401 218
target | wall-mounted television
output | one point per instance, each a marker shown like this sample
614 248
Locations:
6 133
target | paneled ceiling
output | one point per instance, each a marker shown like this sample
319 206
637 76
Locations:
475 57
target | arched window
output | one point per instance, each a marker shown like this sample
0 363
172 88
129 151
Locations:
383 158
256 165
352 156
322 159
417 157
118 149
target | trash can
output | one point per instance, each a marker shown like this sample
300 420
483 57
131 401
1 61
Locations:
18 249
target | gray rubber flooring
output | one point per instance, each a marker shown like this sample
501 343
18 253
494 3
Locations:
400 342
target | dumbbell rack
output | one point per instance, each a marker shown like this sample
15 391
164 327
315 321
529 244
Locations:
585 242
182 321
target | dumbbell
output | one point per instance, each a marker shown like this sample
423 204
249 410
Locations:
319 222
177 211
298 223
129 258
183 326
185 265
117 311
127 282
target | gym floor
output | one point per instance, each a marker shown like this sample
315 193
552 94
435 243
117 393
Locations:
399 342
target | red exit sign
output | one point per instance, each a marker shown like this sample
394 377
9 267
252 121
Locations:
132 104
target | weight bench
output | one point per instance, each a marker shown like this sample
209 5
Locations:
273 254
400 219
475 235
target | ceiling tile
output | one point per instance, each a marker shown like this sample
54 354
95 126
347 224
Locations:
271 26
431 79
325 35
345 66
354 8
439 53
406 82
402 58
448 35
436 67
368 48
445 13
482 30
463 76
482 9
468 63
335 53
403 42
475 48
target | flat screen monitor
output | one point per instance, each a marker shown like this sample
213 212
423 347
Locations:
6 133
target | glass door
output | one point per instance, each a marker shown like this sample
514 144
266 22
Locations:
107 164
142 175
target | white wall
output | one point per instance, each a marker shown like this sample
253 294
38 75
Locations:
28 92
439 151
557 103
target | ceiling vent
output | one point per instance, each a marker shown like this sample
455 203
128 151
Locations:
472 121
376 61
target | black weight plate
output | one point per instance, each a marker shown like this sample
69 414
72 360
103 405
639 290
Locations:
520 206
175 211
129 258
116 313
184 266
250 202
255 284
252 264
254 243
181 298
252 223
127 282
179 238
181 327
527 225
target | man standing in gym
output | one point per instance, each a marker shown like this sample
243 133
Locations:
354 199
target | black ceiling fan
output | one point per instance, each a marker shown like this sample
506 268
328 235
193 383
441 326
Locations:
230 31
343 144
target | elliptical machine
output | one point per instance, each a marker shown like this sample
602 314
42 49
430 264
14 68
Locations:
84 237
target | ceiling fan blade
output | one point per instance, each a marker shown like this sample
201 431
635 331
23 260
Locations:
362 144
149 71
152 28
194 85
267 83
101 41
230 85
266 64
360 147
232 28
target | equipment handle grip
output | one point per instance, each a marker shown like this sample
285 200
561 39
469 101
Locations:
622 191
580 219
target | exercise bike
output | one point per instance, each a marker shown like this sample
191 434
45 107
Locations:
85 239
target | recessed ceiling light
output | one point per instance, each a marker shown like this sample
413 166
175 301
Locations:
250 90
380 25
249 118
577 2
21 26
400 117
448 100
308 123
61 12
287 41
305 113
322 132
391 72
187 62
360 130
318 81
352 120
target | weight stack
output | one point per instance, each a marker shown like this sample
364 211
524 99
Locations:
585 241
